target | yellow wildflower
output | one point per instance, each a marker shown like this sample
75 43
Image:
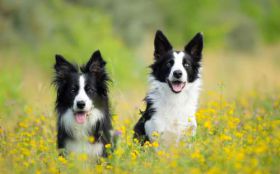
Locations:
155 144
224 137
155 134
91 139
62 160
82 157
108 146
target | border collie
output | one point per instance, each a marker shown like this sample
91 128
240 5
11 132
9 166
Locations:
82 106
172 99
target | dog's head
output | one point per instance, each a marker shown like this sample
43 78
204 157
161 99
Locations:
80 89
177 68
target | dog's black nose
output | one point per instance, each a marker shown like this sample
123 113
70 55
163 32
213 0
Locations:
177 74
81 104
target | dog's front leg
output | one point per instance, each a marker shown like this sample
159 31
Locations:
154 128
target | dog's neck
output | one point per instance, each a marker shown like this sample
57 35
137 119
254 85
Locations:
161 92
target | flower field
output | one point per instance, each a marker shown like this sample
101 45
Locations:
238 136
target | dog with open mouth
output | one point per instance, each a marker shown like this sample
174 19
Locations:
172 99
82 105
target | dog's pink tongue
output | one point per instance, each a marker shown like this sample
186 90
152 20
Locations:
177 87
80 117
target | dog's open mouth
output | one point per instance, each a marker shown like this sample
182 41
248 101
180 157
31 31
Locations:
176 86
80 117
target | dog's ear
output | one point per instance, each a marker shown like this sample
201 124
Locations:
161 44
195 46
95 63
62 66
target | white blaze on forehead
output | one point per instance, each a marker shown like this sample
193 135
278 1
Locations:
82 92
179 55
178 65
178 60
82 95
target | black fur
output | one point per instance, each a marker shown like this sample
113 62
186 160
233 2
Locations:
67 85
139 128
164 60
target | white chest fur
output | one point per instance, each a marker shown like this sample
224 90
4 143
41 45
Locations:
174 113
80 133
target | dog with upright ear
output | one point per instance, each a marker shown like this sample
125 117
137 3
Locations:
96 67
195 46
82 106
63 69
172 99
161 44
96 63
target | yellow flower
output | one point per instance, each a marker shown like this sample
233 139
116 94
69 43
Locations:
115 119
173 164
43 148
108 146
261 148
37 121
109 167
119 152
53 170
91 139
197 155
43 118
98 168
160 153
239 156
62 160
207 125
214 170
155 134
135 140
83 157
147 165
26 164
28 110
134 154
155 144
194 170
126 122
22 124
230 112
147 144
224 137
238 134
25 152
32 143
123 129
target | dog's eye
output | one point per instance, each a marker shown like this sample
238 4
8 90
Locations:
89 89
186 65
169 63
74 90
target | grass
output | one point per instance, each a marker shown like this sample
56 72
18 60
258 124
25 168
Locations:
242 136
238 124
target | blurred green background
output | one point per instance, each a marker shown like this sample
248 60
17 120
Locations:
241 45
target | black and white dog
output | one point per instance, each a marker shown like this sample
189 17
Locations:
82 106
172 99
